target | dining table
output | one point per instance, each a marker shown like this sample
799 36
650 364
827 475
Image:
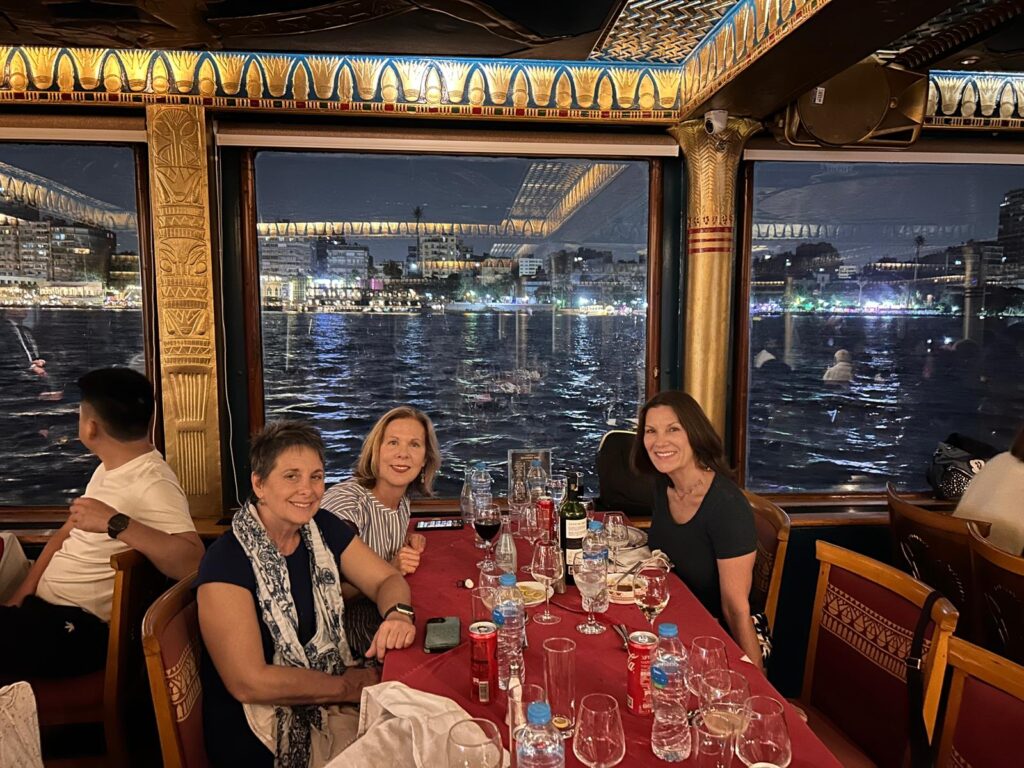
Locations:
451 557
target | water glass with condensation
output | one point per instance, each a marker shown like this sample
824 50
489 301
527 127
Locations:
560 682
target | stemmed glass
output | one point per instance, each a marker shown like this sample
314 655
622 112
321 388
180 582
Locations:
706 655
487 522
474 744
592 580
529 530
600 741
650 591
557 486
546 568
764 736
724 694
615 531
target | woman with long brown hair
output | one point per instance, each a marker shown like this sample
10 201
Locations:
700 518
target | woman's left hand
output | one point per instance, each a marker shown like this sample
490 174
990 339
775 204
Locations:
394 633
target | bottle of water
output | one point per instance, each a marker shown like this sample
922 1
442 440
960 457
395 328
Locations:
480 480
519 493
466 498
509 615
539 744
670 736
536 480
505 550
595 546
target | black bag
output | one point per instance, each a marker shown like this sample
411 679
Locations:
956 460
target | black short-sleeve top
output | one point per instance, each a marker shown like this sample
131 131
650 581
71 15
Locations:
229 740
722 527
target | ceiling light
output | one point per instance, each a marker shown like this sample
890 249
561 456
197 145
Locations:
968 61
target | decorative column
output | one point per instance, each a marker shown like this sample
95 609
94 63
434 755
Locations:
179 196
711 163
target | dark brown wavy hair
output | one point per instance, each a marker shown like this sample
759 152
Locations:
705 442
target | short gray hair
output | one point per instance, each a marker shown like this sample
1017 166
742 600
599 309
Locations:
277 437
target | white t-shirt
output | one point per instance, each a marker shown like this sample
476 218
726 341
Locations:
146 490
996 495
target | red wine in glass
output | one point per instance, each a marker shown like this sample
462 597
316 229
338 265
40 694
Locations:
487 529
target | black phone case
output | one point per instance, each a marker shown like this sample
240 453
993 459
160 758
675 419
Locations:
442 634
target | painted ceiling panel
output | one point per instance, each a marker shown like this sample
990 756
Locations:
660 30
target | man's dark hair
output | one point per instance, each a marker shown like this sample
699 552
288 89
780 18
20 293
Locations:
1017 449
122 399
276 438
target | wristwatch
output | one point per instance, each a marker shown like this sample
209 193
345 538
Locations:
402 608
117 524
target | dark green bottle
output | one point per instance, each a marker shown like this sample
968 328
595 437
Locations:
572 522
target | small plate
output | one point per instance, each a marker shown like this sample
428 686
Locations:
622 593
533 592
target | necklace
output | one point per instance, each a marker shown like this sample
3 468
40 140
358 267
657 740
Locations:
682 493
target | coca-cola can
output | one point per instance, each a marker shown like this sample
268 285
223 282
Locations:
547 520
638 672
483 649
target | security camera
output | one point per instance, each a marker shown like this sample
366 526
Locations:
715 121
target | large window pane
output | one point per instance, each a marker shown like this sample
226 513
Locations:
886 313
70 301
506 297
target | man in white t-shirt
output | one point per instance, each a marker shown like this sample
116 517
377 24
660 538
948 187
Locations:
55 624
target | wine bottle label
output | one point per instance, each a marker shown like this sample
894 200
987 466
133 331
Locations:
575 530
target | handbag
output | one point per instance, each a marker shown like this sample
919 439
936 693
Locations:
955 462
764 635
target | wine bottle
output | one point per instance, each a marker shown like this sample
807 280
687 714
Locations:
572 520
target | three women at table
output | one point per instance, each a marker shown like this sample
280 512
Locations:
270 612
399 456
700 517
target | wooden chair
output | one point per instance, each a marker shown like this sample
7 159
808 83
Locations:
934 548
170 636
999 586
855 688
108 697
984 710
772 541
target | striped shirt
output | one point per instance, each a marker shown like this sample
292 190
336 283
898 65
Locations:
381 528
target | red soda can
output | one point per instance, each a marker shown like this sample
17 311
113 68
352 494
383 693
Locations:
638 672
546 519
483 649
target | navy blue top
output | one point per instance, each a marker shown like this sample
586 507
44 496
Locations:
229 740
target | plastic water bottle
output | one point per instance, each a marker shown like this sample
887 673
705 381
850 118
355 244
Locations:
466 498
505 550
480 481
539 744
595 546
509 614
536 480
670 736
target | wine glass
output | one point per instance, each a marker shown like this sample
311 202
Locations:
600 741
650 591
474 743
764 737
592 580
487 523
557 487
706 654
616 533
547 568
529 529
724 695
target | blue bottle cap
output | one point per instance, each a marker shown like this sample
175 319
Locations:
595 525
538 713
668 630
507 579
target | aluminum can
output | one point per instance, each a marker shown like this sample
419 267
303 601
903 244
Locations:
638 672
547 518
483 649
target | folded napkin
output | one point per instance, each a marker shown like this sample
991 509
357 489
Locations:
628 558
408 727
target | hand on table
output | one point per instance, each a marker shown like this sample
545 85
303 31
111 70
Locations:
394 632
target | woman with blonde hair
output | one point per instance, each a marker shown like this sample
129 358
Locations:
399 455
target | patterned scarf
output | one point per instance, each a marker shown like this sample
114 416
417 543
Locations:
294 727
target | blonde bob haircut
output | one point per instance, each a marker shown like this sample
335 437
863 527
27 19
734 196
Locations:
367 466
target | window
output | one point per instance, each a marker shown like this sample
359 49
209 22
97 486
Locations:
70 301
887 311
505 297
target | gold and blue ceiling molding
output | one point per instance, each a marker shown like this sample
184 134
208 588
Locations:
988 100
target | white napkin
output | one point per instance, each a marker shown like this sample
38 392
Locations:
19 727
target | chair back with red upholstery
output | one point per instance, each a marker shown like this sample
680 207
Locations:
772 541
170 636
984 711
865 614
999 586
934 548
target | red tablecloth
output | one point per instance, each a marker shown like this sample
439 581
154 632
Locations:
600 659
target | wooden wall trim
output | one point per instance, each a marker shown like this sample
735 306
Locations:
655 222
251 292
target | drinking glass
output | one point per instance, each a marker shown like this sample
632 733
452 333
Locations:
588 506
706 654
712 746
529 530
592 580
487 522
557 485
482 604
617 534
650 591
516 514
560 682
519 700
547 568
490 576
725 690
474 743
764 737
600 741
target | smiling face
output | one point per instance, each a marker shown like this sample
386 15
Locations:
402 454
667 443
291 491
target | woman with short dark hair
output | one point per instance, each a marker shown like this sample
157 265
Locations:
700 518
994 496
271 613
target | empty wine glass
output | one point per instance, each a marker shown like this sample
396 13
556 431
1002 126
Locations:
764 737
547 568
487 522
650 591
724 688
474 743
706 654
616 533
557 486
592 580
529 529
599 741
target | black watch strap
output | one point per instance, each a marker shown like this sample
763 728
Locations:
116 525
